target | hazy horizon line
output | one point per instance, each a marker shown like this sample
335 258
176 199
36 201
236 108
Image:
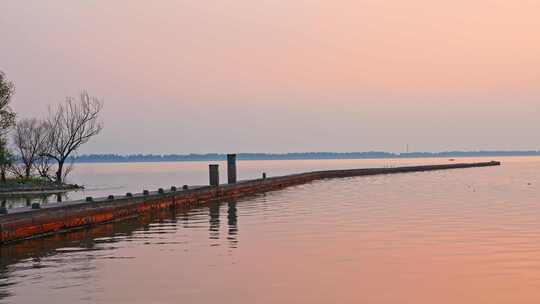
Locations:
139 157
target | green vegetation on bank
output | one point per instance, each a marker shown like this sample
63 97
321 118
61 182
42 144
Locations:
18 184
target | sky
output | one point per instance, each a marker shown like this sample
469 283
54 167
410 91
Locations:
191 76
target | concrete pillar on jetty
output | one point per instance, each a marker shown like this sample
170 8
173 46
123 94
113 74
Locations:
214 174
231 168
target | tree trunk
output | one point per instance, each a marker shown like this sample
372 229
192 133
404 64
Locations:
3 175
27 172
60 172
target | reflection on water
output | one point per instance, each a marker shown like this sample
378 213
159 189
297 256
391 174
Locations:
460 236
79 250
26 200
232 222
214 221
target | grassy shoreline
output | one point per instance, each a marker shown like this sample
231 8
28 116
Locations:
34 185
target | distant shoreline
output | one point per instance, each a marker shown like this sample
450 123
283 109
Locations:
135 158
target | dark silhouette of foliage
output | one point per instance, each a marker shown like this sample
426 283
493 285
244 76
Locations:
6 159
7 116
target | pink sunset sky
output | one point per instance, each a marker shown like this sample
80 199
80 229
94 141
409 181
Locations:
283 76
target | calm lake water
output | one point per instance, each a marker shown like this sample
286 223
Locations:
102 179
458 236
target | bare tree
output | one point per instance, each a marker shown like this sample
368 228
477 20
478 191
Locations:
71 125
43 165
29 137
7 116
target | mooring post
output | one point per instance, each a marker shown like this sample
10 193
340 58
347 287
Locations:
214 174
231 168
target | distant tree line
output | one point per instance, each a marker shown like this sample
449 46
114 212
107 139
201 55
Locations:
101 158
43 148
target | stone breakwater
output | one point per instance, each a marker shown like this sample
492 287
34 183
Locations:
25 223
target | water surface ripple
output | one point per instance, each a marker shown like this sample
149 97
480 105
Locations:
459 236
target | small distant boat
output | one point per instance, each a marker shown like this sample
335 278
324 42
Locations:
452 159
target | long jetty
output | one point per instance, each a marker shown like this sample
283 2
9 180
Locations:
37 221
